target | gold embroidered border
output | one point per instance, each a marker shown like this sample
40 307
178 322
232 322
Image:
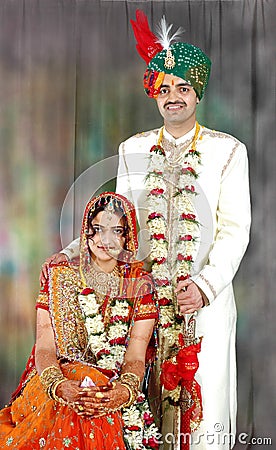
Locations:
230 158
209 285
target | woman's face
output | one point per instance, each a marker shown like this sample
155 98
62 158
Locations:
107 238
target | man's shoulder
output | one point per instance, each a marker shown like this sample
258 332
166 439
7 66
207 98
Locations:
143 135
220 136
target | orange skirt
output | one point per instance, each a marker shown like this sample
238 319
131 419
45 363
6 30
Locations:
33 421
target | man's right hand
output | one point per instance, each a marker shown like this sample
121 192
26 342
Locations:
56 258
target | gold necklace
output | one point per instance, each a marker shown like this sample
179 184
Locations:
103 283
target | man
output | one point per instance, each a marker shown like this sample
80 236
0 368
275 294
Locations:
191 191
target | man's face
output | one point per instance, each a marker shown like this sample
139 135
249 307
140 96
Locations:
176 101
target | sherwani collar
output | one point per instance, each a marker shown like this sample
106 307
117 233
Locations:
182 139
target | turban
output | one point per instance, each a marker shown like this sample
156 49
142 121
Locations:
180 59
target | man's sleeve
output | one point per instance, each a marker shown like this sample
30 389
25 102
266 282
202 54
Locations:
233 226
72 250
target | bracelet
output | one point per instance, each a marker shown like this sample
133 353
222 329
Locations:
50 379
49 375
132 396
52 392
131 379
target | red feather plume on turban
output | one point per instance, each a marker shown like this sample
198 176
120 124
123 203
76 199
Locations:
147 43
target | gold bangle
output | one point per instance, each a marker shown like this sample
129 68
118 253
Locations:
49 375
131 379
53 392
133 394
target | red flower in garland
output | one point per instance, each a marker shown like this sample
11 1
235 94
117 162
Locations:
87 291
103 352
133 428
182 278
184 258
155 215
187 237
164 301
190 188
189 170
157 191
120 341
160 261
158 236
188 217
157 149
148 418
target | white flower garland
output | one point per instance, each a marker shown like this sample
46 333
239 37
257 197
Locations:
108 344
187 228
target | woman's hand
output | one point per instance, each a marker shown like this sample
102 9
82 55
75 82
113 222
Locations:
97 401
69 391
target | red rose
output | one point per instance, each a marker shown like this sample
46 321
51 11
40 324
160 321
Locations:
188 169
190 188
120 341
184 258
133 428
157 191
87 291
148 418
182 278
157 149
155 215
187 216
158 236
160 261
187 237
103 352
164 301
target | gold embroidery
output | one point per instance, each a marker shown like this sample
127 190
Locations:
230 158
209 285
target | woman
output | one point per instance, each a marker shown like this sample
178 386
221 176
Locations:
95 322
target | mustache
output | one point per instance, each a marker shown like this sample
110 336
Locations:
175 103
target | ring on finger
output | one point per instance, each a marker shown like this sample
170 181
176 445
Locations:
99 395
80 408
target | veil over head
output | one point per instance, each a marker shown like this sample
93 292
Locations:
114 203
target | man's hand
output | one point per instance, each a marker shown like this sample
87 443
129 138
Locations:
189 297
55 259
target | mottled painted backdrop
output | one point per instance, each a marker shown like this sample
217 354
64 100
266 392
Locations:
71 90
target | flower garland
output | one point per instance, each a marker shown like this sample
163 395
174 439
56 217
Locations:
166 274
107 339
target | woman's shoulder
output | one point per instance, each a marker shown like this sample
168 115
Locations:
68 269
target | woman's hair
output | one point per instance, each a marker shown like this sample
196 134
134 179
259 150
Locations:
114 206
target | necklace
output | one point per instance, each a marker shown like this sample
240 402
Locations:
103 283
172 209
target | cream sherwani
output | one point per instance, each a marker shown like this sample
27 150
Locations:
223 209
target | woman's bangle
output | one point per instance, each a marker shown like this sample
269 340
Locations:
51 377
52 392
132 396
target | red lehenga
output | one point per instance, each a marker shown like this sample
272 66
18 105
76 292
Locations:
33 420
